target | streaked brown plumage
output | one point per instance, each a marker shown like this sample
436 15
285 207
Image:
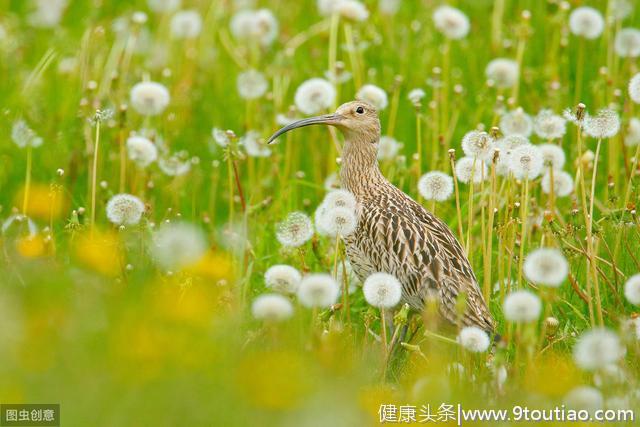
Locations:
395 234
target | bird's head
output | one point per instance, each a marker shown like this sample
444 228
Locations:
356 119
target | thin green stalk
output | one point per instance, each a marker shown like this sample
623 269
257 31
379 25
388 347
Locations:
27 179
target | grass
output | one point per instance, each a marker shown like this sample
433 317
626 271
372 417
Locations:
91 322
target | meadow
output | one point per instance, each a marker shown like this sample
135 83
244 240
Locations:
162 265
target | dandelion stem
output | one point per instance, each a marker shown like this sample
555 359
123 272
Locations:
523 231
94 174
27 180
590 245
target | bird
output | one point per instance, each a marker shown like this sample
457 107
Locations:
395 234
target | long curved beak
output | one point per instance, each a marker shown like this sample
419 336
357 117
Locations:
327 119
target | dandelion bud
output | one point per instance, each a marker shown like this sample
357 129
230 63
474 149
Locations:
551 325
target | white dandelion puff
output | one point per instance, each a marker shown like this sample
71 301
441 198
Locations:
389 7
597 348
522 307
627 43
178 245
584 398
507 145
318 219
332 182
546 266
562 183
338 221
257 26
382 290
552 156
549 126
149 98
141 151
124 209
436 186
340 199
253 144
632 138
373 95
353 10
318 290
388 148
416 95
503 72
620 9
23 136
174 165
314 95
186 24
220 137
282 278
251 84
271 308
295 230
164 6
632 289
468 168
473 339
451 22
516 122
586 22
526 162
605 124
634 88
478 145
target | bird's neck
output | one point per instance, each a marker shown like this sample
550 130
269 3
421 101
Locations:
359 171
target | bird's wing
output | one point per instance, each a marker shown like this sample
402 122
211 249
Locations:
406 240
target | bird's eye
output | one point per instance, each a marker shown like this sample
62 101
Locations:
360 110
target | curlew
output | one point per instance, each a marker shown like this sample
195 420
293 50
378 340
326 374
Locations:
395 234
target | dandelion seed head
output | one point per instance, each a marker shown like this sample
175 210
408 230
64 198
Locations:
353 10
141 151
258 26
546 266
282 278
632 138
47 13
416 95
526 162
516 122
174 165
634 88
382 290
164 6
552 156
632 289
620 9
373 95
295 230
253 144
597 348
389 7
388 148
340 199
474 339
562 183
627 43
23 136
584 398
220 137
586 22
338 221
503 72
177 245
332 182
251 84
186 24
149 98
522 307
451 22
549 126
314 95
271 308
436 186
468 168
124 209
478 144
318 290
605 124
